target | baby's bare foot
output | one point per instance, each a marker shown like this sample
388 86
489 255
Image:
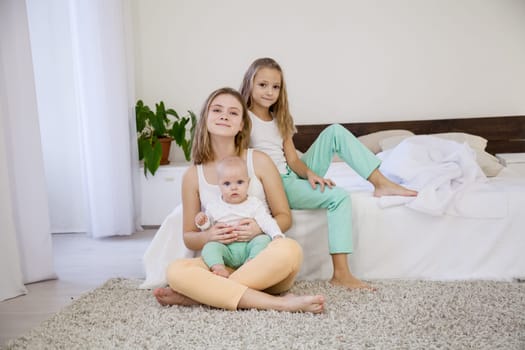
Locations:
220 270
167 296
303 303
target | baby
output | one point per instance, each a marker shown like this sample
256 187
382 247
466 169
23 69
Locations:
233 206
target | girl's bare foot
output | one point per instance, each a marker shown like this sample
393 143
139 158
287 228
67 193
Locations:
167 296
342 275
384 187
220 270
303 303
351 283
393 189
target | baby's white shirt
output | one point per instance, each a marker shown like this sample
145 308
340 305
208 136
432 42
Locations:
231 214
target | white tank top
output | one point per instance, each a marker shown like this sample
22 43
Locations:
265 137
209 192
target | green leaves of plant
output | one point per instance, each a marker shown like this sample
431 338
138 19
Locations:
179 132
151 153
141 115
159 120
154 125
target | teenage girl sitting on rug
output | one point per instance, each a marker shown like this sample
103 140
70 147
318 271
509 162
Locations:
222 131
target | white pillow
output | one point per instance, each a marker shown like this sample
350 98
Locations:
391 142
372 140
486 161
475 142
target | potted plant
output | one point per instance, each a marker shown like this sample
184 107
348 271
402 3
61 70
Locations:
155 131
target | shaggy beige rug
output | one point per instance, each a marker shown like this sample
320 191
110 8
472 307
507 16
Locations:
400 315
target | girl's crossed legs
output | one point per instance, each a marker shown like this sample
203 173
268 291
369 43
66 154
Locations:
273 271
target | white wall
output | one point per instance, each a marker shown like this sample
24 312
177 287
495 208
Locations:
343 60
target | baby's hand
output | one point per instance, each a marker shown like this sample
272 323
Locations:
201 219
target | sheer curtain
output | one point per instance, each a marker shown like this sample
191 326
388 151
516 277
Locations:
85 90
25 240
10 270
103 81
104 100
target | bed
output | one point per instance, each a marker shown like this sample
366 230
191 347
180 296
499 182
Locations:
397 242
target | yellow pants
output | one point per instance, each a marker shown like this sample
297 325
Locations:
272 271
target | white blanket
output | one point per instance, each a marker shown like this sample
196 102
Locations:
446 175
166 247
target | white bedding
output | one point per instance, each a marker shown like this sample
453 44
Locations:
402 243
477 233
445 174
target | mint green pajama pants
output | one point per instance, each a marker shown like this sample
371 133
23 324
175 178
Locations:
234 254
335 139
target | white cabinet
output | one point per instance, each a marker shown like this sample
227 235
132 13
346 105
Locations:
161 193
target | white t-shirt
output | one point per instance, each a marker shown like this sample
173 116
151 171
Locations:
265 137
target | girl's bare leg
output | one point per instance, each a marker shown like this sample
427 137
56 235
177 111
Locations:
253 299
342 275
384 187
167 296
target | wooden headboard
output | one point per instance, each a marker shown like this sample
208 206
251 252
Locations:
505 134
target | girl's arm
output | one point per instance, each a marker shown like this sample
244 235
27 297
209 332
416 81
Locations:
269 176
300 168
292 159
194 238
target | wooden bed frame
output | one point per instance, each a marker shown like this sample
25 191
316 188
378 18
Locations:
505 134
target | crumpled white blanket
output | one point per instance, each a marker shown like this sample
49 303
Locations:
445 174
166 247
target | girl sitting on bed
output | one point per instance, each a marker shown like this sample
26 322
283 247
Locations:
264 91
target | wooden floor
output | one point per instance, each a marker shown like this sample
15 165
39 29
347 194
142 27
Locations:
82 264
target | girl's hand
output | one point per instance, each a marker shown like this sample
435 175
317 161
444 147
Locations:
221 233
246 230
315 179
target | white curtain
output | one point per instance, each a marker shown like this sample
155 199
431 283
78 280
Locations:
104 100
25 240
105 107
83 64
10 271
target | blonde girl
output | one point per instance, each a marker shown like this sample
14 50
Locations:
264 92
223 131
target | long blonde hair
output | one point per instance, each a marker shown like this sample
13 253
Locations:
279 109
202 151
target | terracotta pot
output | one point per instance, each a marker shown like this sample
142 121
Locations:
165 143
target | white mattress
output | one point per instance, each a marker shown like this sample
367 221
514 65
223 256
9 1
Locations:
401 243
392 243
